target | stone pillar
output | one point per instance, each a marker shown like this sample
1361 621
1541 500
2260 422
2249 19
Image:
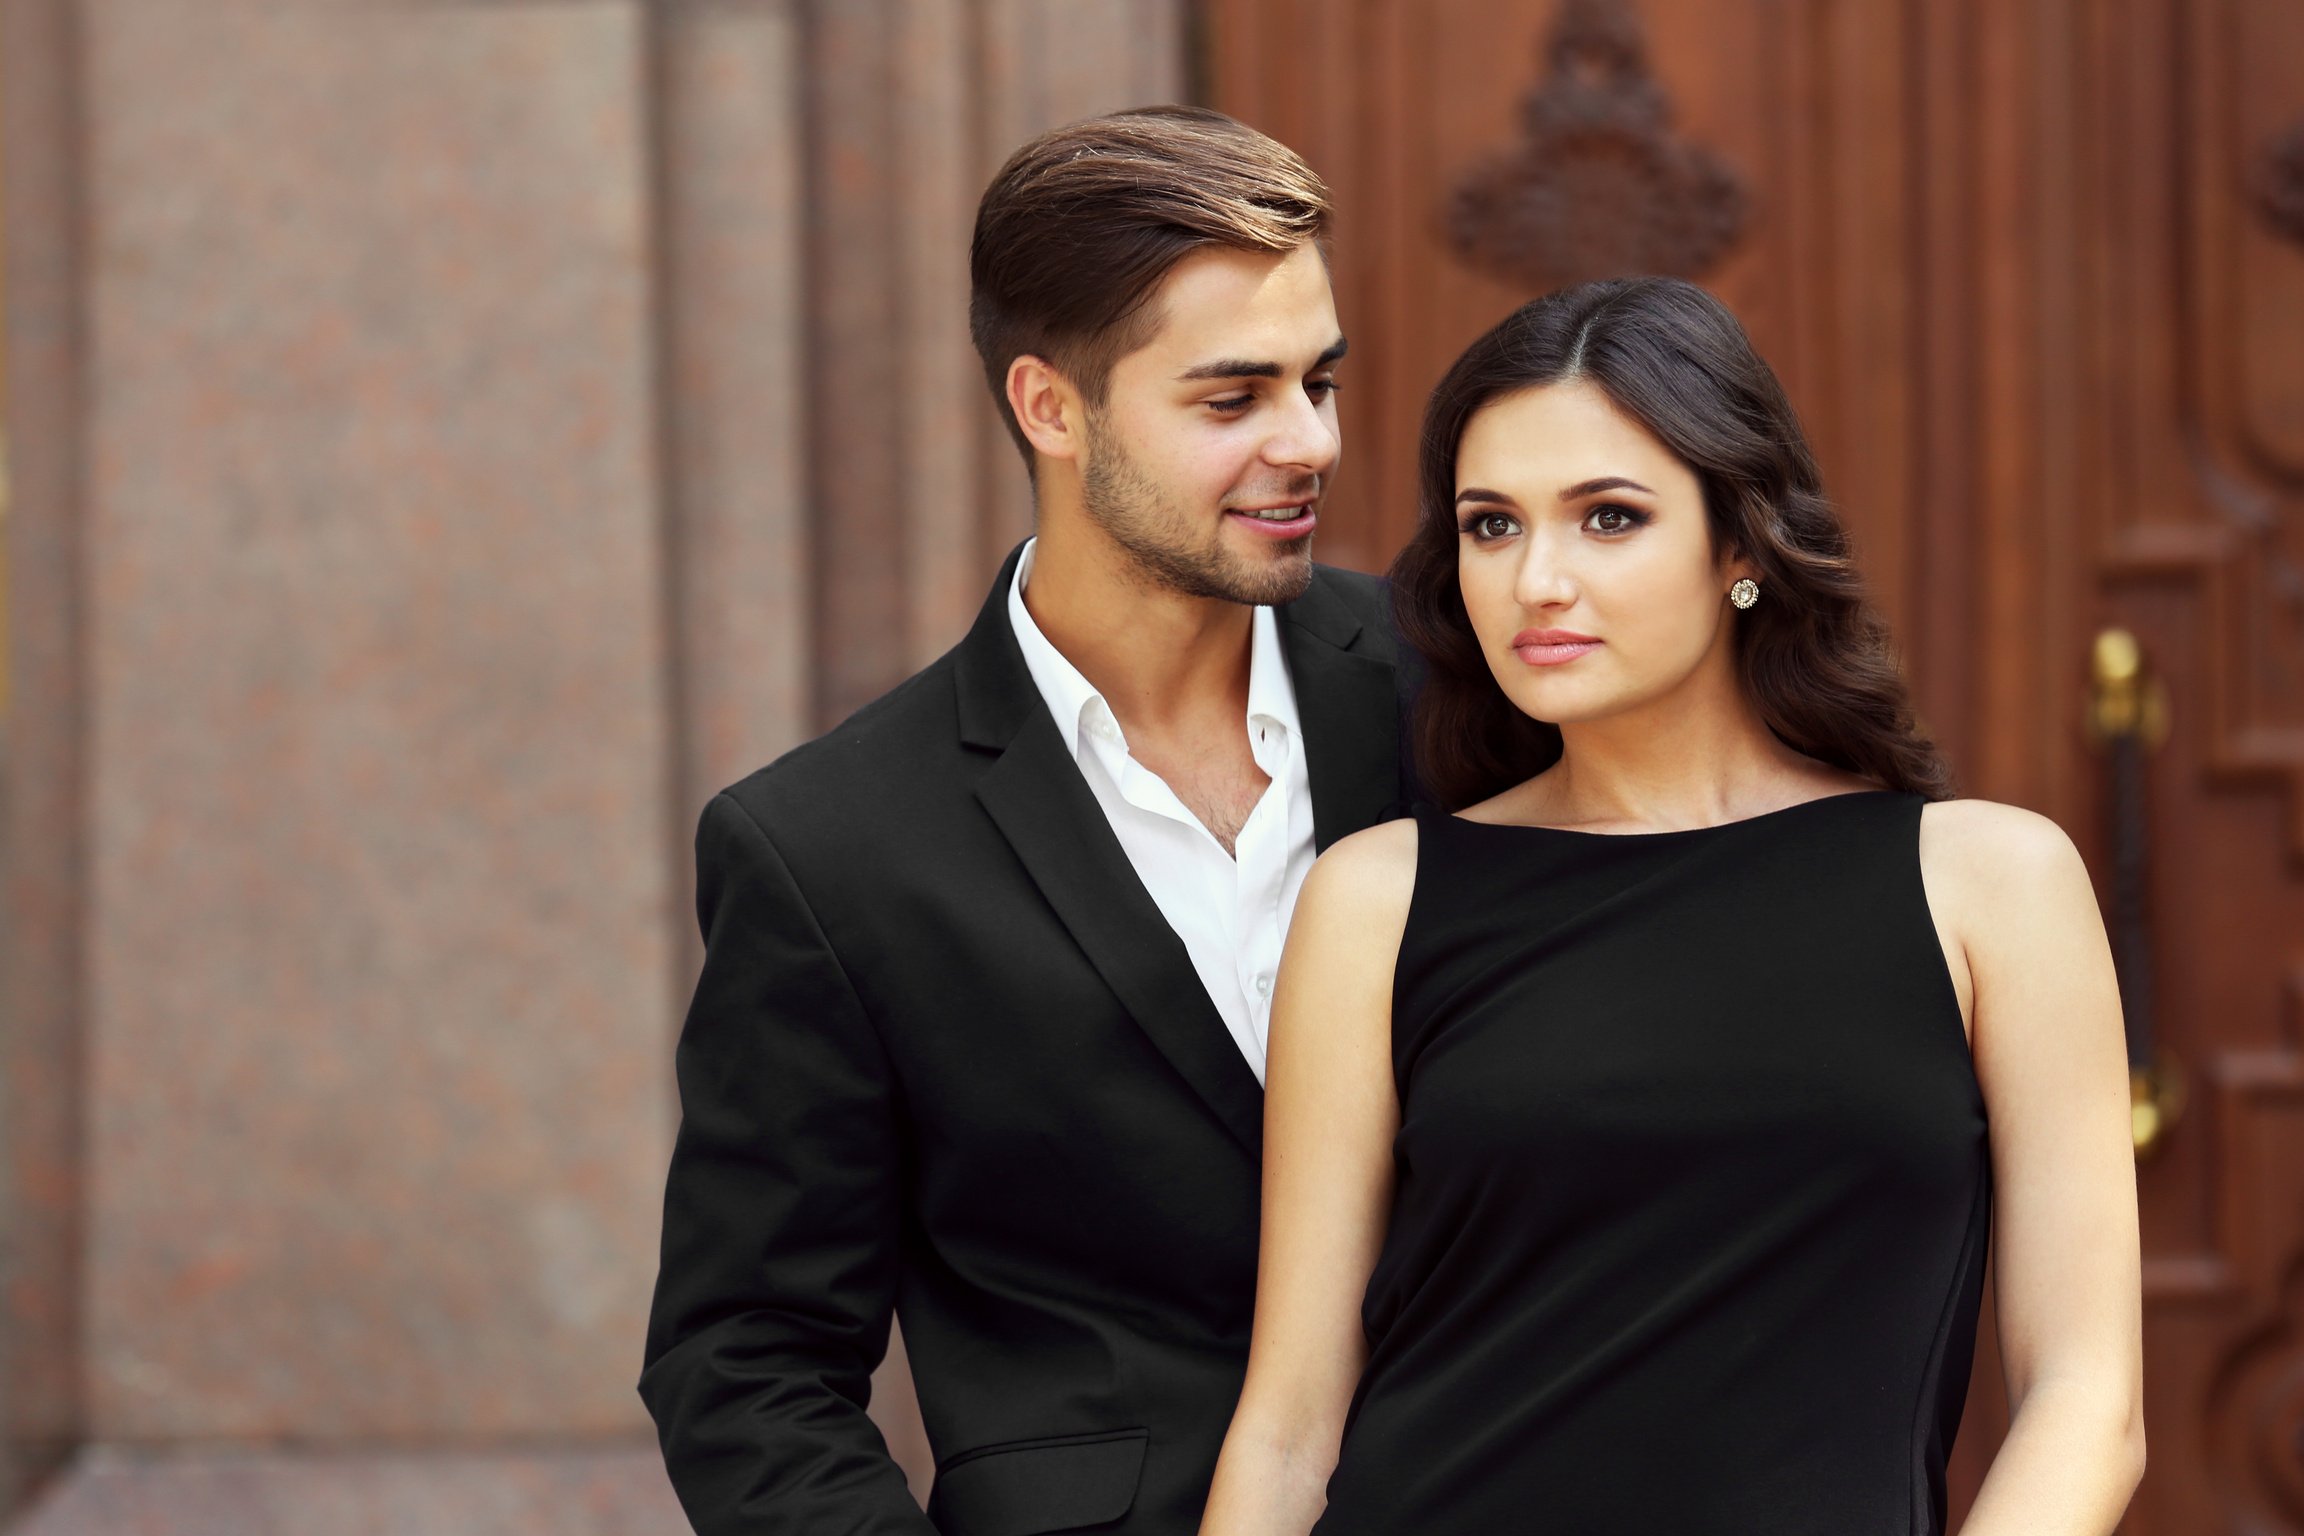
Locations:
374 925
913 105
42 762
450 440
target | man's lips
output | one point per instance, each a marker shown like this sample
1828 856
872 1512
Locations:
1551 647
1278 520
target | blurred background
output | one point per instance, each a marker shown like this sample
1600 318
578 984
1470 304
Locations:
448 439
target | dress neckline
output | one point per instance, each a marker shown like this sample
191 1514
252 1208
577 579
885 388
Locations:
1722 826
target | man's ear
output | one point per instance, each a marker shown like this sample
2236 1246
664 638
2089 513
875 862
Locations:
1048 409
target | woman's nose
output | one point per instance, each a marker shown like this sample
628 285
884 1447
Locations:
1543 580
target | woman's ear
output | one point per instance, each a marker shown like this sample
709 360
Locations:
1048 409
1735 566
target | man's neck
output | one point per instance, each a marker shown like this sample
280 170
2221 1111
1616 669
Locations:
1161 660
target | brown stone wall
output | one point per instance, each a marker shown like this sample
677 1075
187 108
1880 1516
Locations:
450 439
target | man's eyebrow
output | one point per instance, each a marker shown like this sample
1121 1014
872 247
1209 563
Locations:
1230 368
1604 483
1241 368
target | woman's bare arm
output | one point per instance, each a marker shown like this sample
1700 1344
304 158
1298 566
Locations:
1330 1113
2049 1054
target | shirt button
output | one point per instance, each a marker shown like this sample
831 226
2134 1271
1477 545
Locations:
1263 985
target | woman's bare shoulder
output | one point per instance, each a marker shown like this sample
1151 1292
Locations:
1368 874
1995 842
1998 862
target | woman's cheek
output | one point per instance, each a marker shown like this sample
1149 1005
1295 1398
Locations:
1486 586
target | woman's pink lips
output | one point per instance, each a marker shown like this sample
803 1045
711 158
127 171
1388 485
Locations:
1551 647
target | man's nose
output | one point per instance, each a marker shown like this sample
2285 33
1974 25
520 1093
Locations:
1304 438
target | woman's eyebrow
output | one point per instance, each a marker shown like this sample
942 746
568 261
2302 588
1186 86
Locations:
1477 493
1604 483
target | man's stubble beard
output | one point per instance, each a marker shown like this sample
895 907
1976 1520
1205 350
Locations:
1134 512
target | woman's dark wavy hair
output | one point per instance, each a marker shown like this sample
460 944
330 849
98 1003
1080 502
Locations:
1814 655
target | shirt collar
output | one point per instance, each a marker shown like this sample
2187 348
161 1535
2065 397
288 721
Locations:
1271 692
1067 693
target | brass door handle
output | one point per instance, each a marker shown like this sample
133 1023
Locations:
2128 719
2155 1102
2125 702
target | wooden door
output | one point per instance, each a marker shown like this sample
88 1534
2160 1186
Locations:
2034 275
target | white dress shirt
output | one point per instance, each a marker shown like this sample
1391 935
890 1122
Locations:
1231 910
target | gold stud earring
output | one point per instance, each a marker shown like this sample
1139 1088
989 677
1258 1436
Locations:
1745 593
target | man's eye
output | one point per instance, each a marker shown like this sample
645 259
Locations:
1320 389
1232 405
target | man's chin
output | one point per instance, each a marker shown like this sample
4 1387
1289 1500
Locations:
1282 576
1269 573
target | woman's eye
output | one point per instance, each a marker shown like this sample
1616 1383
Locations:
1613 520
1490 525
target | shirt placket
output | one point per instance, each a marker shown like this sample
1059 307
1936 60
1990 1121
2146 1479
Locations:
1261 868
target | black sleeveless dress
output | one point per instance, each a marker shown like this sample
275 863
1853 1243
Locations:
1693 1196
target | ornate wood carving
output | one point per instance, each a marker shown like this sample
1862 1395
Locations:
2255 1417
2280 182
1597 185
2258 1418
2023 287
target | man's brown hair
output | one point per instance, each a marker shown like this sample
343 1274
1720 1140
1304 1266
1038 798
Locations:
1080 226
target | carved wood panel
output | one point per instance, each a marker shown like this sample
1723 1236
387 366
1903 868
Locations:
1458 123
2035 277
2201 490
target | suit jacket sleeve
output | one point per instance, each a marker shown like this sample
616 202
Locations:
780 1221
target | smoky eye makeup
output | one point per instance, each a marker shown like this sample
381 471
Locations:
1486 524
1614 517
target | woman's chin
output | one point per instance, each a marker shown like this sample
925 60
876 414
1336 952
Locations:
1562 705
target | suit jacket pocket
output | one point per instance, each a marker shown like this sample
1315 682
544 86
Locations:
1030 1487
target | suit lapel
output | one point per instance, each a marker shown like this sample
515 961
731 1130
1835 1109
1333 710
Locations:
1345 698
1036 797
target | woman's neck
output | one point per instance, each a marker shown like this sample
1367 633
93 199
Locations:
1682 762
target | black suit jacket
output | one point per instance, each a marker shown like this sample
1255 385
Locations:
947 1057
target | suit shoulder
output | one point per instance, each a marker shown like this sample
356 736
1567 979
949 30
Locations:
861 758
1339 598
1368 596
